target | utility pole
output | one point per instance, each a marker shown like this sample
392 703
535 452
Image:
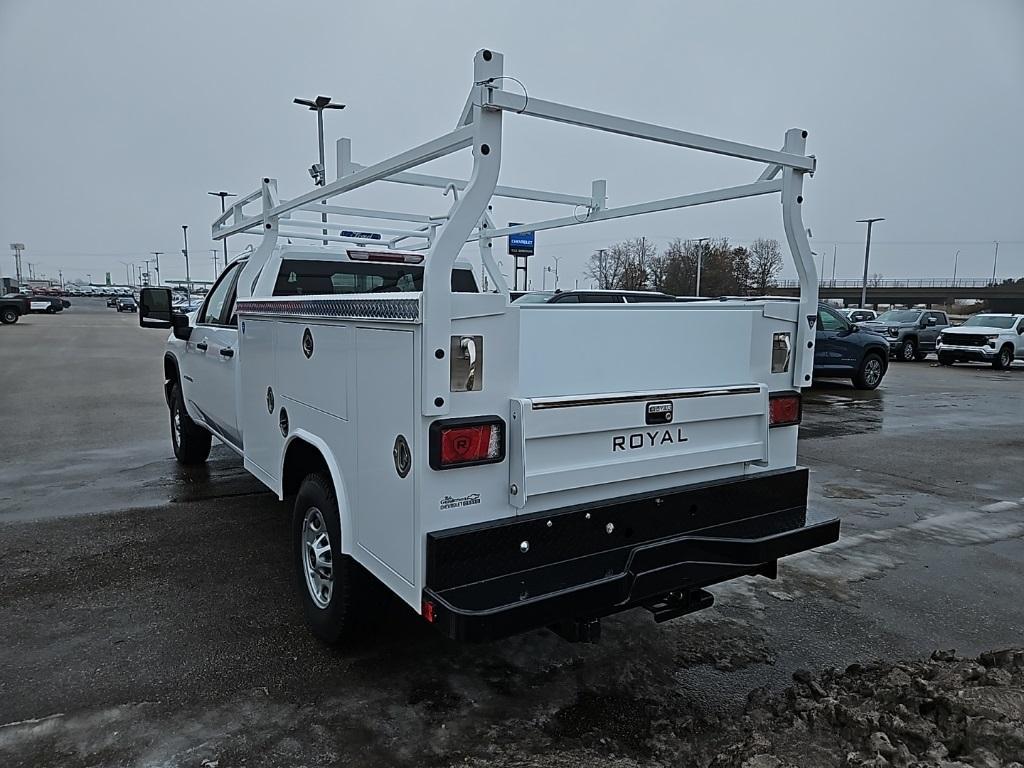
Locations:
213 255
956 257
556 259
148 281
17 248
995 261
867 254
223 195
188 277
700 257
835 247
319 172
60 274
156 255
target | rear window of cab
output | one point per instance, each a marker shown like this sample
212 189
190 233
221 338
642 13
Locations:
301 277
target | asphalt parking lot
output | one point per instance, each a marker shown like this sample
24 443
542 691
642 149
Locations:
147 615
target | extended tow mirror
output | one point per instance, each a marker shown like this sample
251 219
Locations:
155 308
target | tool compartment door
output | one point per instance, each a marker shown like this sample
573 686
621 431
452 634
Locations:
560 444
385 512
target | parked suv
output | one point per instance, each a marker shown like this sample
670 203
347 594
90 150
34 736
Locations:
912 333
847 350
985 338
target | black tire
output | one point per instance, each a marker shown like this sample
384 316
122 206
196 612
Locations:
1004 359
871 371
191 442
330 615
919 356
8 316
908 351
51 310
945 359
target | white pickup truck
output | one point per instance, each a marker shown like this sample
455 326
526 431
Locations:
499 466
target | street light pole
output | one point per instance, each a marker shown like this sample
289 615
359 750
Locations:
222 196
188 277
995 261
867 254
700 257
956 257
318 105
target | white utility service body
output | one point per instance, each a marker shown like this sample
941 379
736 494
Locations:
617 455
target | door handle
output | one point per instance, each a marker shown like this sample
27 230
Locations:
227 352
202 345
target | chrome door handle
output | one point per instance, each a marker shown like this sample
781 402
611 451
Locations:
227 352
202 345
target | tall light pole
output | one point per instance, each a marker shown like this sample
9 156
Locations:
17 248
556 259
867 254
188 277
156 255
956 257
995 261
835 249
700 257
148 281
319 173
222 196
213 256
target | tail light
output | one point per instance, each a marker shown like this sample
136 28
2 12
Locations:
784 409
467 442
398 257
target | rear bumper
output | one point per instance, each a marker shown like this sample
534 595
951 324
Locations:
497 579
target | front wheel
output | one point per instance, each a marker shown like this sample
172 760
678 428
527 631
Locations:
1004 359
326 579
945 359
8 316
908 351
870 373
191 442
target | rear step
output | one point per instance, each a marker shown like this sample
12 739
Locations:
676 604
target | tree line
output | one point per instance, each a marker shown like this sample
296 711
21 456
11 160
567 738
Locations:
725 269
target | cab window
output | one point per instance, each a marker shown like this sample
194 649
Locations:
829 321
217 302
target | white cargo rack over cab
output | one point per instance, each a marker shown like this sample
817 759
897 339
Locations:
500 467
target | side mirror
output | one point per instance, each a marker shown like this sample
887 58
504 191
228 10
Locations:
155 308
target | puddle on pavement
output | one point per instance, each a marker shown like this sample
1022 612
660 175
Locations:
835 410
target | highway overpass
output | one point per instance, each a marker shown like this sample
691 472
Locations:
1001 296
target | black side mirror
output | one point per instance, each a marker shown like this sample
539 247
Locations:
155 308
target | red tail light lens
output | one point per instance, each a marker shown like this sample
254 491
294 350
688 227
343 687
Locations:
784 409
466 442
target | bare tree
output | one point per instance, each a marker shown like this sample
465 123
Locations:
765 258
605 267
875 281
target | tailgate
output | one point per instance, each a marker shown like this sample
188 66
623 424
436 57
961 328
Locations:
563 443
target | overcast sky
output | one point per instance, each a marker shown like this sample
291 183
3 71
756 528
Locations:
119 115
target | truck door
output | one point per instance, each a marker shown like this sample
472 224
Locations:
211 358
828 347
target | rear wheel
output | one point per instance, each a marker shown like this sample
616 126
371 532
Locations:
945 359
1004 359
8 316
871 372
908 350
919 355
326 579
191 442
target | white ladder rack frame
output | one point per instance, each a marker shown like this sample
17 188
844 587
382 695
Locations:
480 128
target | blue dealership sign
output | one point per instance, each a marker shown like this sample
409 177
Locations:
521 244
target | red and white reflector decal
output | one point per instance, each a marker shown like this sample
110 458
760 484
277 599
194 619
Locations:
466 442
784 409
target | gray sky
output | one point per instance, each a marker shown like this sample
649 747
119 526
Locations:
118 117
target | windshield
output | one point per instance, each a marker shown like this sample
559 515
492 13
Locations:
900 316
990 321
537 297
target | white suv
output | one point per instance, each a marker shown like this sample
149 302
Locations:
986 338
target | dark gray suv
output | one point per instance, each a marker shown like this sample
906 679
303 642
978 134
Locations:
911 333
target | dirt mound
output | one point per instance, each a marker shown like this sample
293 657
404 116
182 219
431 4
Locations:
946 712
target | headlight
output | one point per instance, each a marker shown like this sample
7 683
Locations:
992 339
781 352
894 331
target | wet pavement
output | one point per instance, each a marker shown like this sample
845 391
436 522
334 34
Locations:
147 614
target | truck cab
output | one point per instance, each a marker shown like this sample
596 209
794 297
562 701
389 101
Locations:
500 466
